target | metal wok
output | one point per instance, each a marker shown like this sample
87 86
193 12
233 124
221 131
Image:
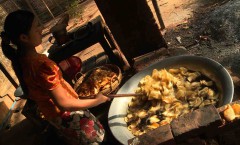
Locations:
206 66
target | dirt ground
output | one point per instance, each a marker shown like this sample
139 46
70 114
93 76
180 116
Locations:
198 27
213 28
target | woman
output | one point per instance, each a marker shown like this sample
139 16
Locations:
42 81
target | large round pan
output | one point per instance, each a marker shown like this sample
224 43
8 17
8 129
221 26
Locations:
208 67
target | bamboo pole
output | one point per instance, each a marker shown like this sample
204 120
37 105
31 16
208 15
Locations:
48 9
3 9
36 15
158 13
15 4
58 5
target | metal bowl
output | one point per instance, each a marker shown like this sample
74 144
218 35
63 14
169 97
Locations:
113 84
206 66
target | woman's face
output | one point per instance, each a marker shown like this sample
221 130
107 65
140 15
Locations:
35 34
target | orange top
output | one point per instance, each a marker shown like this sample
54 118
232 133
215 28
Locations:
41 75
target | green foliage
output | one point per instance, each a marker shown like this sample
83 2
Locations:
74 9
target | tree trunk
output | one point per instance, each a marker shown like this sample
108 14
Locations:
132 25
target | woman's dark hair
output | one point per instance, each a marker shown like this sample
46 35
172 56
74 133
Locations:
16 23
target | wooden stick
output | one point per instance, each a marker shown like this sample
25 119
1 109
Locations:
123 95
112 96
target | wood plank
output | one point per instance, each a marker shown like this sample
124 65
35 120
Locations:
4 110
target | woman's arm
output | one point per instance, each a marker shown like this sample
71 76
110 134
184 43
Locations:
70 87
59 96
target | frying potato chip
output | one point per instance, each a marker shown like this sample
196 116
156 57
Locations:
236 108
229 114
167 95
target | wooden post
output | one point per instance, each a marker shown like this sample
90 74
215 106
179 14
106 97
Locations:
132 25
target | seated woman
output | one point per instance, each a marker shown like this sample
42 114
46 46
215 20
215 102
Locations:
42 81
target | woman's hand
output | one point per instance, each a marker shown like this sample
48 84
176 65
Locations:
102 98
71 103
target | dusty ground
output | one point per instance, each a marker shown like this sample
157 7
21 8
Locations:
212 31
199 27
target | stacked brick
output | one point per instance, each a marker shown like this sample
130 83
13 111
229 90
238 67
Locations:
206 122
